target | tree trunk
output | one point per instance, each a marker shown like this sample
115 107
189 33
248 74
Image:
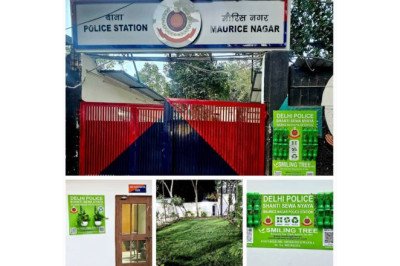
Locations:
171 195
165 211
229 186
194 183
222 194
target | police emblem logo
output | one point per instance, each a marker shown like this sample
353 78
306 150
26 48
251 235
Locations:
177 23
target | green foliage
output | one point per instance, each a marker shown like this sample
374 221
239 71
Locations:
239 196
239 82
235 217
237 214
162 199
203 214
312 28
82 216
177 201
198 242
197 79
151 76
212 196
98 216
173 215
189 214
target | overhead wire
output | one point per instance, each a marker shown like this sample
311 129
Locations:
205 70
118 9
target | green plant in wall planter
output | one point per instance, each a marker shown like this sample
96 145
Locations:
323 204
83 218
98 217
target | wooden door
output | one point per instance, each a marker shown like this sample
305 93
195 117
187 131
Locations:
133 230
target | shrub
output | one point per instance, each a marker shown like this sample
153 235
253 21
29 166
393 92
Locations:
212 197
189 214
177 201
82 216
173 215
203 214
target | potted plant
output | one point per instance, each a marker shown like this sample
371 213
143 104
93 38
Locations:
83 217
98 217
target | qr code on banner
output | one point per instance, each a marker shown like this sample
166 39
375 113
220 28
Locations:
73 231
327 240
102 229
249 235
278 173
309 173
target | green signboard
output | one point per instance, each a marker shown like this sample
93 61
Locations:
291 221
86 214
295 142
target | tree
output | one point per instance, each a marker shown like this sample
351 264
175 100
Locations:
194 184
233 189
219 186
311 33
151 76
238 212
170 192
197 79
239 82
230 188
179 202
163 200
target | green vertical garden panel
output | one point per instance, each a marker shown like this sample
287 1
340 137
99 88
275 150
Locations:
295 142
293 221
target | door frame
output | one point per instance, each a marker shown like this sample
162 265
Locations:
125 199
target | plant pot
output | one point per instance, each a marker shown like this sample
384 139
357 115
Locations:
84 223
97 223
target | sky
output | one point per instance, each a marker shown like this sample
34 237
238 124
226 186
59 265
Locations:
184 189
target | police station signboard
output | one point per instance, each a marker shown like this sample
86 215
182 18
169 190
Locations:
180 25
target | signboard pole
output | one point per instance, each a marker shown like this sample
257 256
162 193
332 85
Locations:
275 90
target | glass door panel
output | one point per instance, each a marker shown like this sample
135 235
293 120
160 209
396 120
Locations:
126 219
142 252
142 217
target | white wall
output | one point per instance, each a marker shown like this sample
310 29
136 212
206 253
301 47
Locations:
98 88
289 257
204 206
97 250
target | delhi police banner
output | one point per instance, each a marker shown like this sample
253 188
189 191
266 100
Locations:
184 25
291 221
295 142
86 214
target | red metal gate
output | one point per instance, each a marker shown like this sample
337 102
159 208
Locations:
234 130
183 137
107 130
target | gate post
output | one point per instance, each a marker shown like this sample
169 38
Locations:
167 139
276 80
73 97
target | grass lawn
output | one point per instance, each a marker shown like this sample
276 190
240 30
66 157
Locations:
209 241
